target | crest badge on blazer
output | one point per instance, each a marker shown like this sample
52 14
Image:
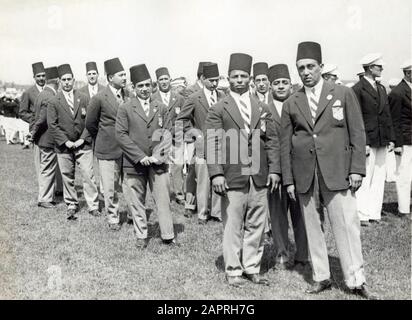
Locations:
177 110
337 110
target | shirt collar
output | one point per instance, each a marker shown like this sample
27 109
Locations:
242 96
67 93
318 88
164 94
409 83
39 88
143 101
371 81
114 90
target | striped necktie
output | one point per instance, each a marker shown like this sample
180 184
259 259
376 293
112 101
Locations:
313 104
212 99
146 108
119 97
244 112
166 99
70 102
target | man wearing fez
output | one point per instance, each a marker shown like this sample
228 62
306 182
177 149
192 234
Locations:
401 110
100 122
323 159
43 139
260 78
193 116
241 169
26 109
279 201
146 146
380 138
65 116
174 102
93 86
198 85
90 90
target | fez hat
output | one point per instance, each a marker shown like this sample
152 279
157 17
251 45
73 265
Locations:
64 69
210 70
37 68
139 73
113 66
200 67
309 50
90 66
51 73
278 71
260 68
240 61
162 72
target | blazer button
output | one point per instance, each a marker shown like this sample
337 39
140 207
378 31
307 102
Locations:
315 136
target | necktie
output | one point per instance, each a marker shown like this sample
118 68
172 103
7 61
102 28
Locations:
92 92
146 108
212 99
70 102
313 104
244 112
166 100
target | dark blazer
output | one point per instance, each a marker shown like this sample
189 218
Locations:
40 131
401 111
26 110
194 112
63 125
265 155
376 113
85 89
100 122
336 141
135 133
174 108
275 115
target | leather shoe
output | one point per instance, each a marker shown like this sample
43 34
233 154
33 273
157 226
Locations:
171 243
235 281
257 279
189 213
71 214
95 213
318 287
180 201
202 222
46 205
141 244
365 224
363 292
114 226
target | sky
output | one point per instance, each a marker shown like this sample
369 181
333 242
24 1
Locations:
180 33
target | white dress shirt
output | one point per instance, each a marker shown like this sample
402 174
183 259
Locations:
245 98
93 89
165 97
146 108
278 106
39 88
263 97
318 90
409 83
372 82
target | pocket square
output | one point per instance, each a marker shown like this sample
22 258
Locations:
337 103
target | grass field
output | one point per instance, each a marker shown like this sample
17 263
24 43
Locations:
44 256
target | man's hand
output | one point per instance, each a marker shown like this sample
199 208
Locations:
368 150
391 146
398 151
69 144
273 181
219 185
290 189
78 143
355 181
145 161
154 160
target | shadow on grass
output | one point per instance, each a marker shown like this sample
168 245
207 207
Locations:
390 207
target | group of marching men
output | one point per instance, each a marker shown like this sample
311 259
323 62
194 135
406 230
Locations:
311 151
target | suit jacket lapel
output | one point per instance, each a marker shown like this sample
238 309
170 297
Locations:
407 89
369 88
203 100
303 105
323 100
172 100
138 109
233 111
382 99
111 99
275 114
255 113
64 103
154 108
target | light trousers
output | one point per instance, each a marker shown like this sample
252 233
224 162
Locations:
404 179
